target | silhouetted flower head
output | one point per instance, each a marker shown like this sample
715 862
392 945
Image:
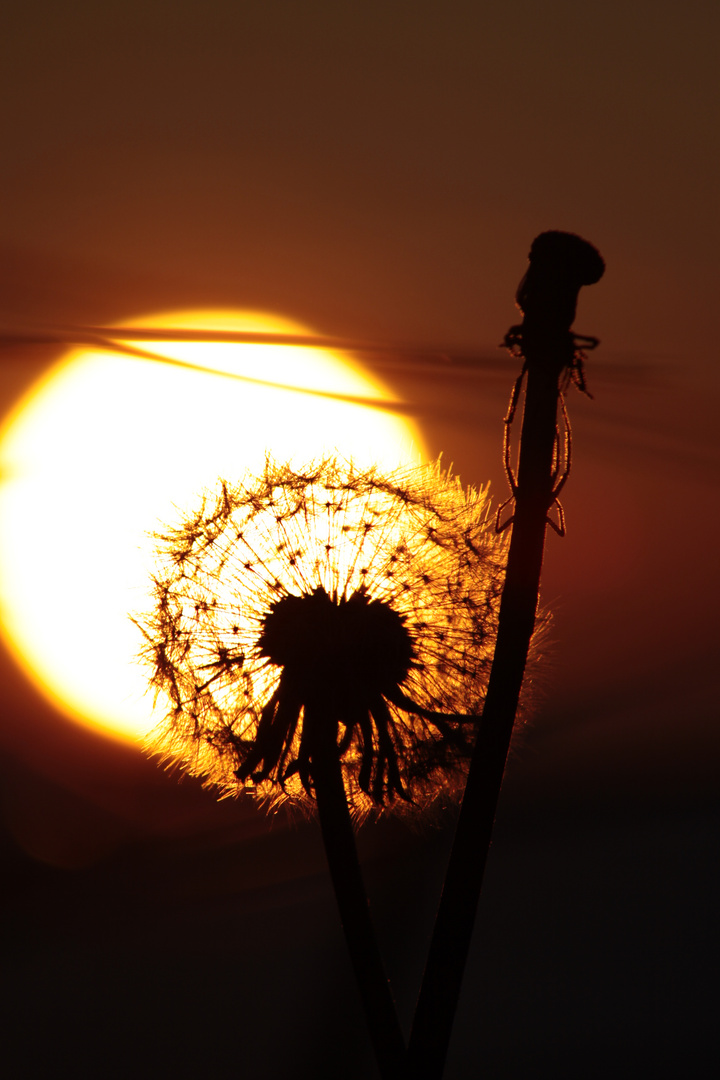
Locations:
330 606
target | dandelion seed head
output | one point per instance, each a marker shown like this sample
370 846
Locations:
368 600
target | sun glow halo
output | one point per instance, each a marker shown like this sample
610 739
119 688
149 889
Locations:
108 446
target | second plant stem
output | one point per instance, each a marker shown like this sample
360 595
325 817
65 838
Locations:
440 989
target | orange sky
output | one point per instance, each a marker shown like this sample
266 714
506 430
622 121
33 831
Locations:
371 170
379 170
381 173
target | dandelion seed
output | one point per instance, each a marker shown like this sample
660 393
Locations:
332 610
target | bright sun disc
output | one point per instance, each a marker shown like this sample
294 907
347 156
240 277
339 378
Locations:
107 446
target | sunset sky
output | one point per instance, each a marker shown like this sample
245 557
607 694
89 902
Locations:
378 171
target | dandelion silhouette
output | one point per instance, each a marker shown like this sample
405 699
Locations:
325 637
327 608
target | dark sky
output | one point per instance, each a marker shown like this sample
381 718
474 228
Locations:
379 170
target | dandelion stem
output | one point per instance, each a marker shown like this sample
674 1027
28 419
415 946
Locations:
456 916
344 866
545 343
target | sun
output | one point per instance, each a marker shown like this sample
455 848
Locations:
107 446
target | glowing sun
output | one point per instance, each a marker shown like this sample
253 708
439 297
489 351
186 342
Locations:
108 446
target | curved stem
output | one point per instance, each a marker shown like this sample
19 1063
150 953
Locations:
341 851
437 1003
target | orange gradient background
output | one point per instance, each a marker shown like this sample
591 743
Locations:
379 172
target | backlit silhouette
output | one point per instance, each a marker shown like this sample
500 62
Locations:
330 606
